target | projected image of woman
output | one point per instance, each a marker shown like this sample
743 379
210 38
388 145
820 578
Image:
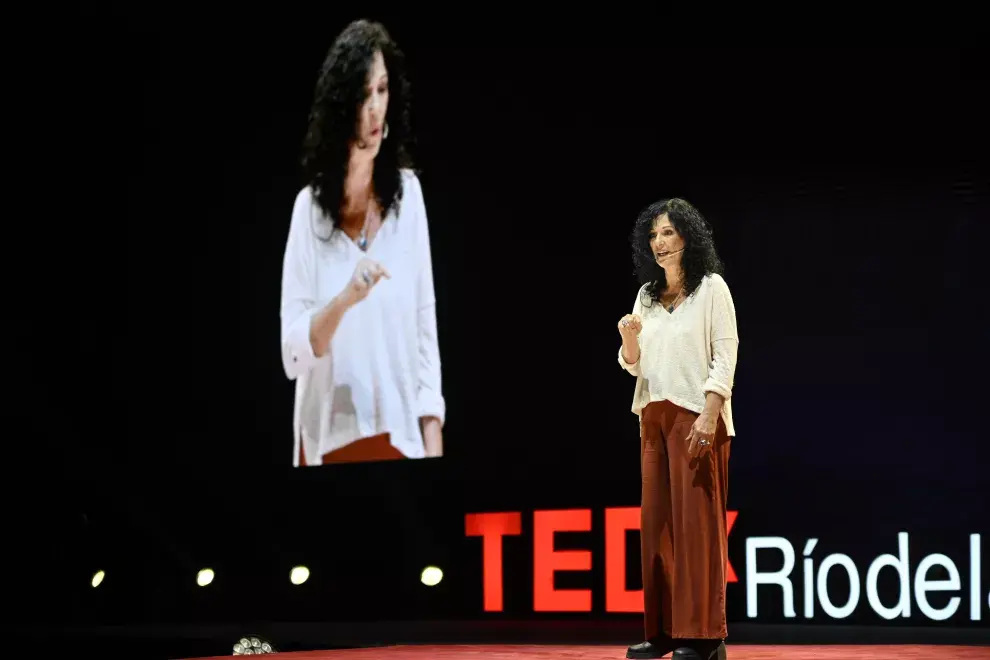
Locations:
680 342
358 315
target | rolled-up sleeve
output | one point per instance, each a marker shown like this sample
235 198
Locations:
429 398
298 302
724 341
633 368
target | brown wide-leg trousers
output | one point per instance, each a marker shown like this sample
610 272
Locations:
374 448
683 530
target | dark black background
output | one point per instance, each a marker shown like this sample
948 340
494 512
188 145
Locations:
848 190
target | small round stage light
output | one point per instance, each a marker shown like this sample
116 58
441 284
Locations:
205 577
431 576
299 575
98 578
253 645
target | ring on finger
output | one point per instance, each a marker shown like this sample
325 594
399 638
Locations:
366 276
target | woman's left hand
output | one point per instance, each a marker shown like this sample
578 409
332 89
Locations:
702 435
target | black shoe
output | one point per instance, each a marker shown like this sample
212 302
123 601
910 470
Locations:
701 649
650 649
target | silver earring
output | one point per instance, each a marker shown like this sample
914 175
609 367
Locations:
385 132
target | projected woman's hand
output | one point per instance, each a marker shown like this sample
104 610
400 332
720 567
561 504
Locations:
365 277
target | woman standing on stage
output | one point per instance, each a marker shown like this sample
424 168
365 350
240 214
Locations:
358 312
680 342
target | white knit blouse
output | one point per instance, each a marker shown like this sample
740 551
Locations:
687 353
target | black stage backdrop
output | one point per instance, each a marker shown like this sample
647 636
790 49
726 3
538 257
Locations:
848 191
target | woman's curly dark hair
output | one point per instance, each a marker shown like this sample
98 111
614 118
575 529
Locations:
699 259
341 90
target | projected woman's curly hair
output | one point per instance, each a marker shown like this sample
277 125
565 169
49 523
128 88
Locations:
333 120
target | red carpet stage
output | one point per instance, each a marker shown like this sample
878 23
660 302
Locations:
542 652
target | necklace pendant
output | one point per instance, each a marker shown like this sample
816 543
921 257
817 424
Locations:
671 309
363 242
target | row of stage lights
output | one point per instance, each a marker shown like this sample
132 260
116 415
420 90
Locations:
255 645
430 576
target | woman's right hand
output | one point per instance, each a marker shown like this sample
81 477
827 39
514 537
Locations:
365 277
324 324
630 326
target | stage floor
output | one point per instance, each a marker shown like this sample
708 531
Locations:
544 652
